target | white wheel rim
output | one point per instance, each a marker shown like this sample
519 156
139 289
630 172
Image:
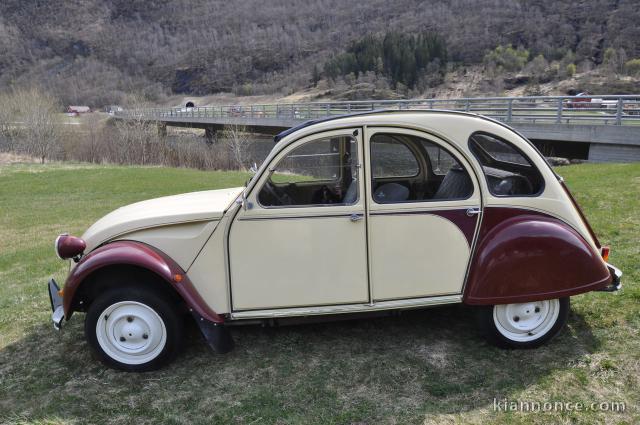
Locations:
526 321
131 332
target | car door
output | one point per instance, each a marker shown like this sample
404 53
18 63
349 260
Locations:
424 203
301 240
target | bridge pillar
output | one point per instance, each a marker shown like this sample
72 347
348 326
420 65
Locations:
162 130
210 135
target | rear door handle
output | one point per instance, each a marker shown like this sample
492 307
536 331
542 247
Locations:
355 217
473 211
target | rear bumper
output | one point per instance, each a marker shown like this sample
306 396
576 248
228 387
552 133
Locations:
57 315
616 279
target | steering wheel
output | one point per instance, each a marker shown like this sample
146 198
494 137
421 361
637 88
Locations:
281 198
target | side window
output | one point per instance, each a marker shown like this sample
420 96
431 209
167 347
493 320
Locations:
392 158
415 170
440 159
319 172
507 170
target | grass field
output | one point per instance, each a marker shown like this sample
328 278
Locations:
421 367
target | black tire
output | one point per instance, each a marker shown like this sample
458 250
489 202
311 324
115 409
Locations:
161 305
498 338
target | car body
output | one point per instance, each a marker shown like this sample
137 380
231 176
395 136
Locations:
585 101
365 213
582 101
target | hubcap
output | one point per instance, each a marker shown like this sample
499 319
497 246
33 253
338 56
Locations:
526 321
131 332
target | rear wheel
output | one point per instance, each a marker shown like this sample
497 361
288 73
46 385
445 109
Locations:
133 329
524 325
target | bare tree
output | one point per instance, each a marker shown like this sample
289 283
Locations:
7 123
93 138
238 142
37 118
137 140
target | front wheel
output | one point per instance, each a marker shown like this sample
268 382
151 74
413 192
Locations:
134 330
524 325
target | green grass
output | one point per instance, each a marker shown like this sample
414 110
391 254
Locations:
422 367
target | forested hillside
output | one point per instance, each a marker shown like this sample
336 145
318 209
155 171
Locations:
91 51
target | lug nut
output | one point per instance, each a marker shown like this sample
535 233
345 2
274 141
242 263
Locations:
122 339
516 319
145 336
129 319
537 309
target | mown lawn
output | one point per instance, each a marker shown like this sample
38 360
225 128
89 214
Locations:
423 366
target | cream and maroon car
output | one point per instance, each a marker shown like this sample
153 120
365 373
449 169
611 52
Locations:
364 213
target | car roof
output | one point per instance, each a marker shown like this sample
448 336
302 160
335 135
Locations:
309 123
370 115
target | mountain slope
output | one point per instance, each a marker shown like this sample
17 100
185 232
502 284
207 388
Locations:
90 51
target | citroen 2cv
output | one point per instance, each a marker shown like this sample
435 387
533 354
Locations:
371 212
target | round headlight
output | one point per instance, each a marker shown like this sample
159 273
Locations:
67 246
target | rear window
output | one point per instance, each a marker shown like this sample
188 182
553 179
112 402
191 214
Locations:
508 171
499 150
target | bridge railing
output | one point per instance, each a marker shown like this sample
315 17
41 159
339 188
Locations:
602 110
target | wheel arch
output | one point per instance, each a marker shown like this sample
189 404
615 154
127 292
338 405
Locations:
116 276
150 266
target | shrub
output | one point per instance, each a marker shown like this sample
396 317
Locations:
632 67
507 58
614 59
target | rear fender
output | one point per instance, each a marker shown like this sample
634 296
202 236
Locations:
524 255
140 255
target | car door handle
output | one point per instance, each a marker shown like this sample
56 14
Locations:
355 217
473 211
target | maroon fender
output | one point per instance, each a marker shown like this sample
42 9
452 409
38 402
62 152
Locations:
141 255
524 255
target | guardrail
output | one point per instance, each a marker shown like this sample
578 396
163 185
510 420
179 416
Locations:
601 110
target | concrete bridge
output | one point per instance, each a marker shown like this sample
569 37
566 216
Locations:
597 128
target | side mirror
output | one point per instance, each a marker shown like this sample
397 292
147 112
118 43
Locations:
254 168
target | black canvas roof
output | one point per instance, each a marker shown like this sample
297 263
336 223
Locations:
308 123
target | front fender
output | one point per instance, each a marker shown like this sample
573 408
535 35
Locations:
526 256
143 256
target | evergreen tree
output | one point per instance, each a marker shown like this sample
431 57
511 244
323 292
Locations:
402 58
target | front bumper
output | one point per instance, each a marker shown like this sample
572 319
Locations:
616 279
57 315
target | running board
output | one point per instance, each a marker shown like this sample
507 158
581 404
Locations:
346 308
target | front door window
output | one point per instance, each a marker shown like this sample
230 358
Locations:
320 172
